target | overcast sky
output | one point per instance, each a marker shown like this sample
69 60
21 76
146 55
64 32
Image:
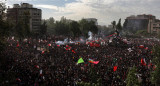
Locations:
105 11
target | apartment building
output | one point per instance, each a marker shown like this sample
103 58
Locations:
20 12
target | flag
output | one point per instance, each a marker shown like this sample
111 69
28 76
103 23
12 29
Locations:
92 61
68 47
37 66
42 52
95 62
18 79
143 62
17 44
58 45
111 35
141 46
73 51
49 44
146 48
94 45
80 60
115 68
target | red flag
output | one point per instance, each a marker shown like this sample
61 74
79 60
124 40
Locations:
17 44
58 45
73 51
143 62
68 47
49 44
141 46
146 48
95 62
42 52
97 45
115 68
18 79
37 66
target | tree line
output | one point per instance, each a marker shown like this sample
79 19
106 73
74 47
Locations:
69 27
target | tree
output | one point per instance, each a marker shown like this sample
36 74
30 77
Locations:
156 54
86 26
142 33
43 28
2 8
114 24
132 79
119 26
19 30
50 25
51 21
26 23
155 75
93 28
61 28
74 28
4 27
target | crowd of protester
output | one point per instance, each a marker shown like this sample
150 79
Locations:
43 63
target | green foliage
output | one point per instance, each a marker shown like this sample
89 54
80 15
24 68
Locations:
50 25
142 33
26 23
2 7
4 28
74 28
86 26
61 28
114 24
43 28
68 27
119 26
22 29
155 76
156 54
132 79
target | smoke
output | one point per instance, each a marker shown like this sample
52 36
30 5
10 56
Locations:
90 35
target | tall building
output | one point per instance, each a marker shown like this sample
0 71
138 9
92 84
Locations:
20 12
154 26
139 22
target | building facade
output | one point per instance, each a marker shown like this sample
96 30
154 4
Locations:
142 22
139 22
154 27
25 11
